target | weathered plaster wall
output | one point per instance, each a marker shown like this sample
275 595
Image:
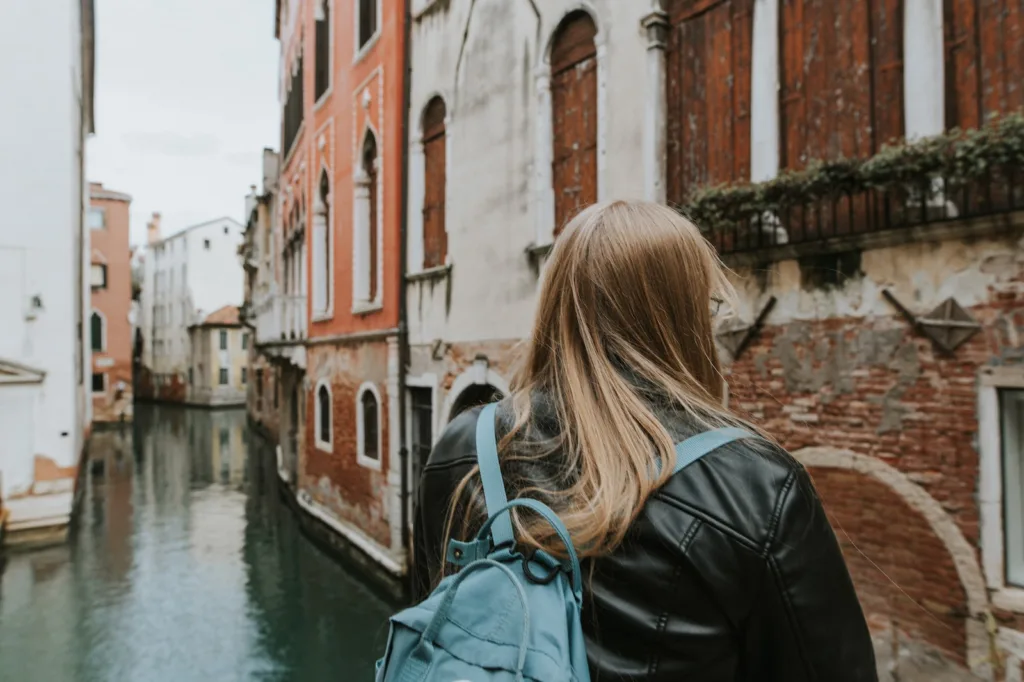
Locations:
485 58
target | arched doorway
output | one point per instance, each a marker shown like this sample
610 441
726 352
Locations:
472 396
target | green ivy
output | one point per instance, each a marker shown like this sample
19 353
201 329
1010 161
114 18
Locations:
958 156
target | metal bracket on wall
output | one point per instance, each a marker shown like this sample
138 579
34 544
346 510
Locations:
737 340
948 325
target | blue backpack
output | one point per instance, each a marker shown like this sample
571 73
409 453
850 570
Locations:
517 616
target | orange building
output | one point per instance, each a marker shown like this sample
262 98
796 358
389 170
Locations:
110 327
342 90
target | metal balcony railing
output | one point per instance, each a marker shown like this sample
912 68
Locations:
934 200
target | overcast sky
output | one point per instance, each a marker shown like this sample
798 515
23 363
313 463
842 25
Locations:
186 100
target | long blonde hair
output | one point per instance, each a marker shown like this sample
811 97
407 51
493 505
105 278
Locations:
623 330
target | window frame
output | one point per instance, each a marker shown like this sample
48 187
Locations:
223 376
318 416
97 210
361 49
993 381
106 278
361 458
437 133
92 386
223 343
245 376
321 5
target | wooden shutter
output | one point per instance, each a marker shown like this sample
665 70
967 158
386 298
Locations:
435 235
574 110
708 60
841 75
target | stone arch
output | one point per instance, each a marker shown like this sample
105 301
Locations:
474 381
960 551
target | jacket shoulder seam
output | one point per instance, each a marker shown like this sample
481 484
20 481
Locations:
773 526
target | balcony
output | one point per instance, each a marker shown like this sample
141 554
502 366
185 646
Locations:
293 318
958 182
280 320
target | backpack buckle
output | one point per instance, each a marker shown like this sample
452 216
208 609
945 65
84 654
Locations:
530 555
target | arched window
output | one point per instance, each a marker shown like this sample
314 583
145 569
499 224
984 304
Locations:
96 329
322 248
368 429
367 229
323 417
323 49
435 235
574 111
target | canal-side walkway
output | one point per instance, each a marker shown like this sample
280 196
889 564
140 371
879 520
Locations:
185 565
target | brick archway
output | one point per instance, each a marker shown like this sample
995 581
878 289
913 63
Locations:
834 469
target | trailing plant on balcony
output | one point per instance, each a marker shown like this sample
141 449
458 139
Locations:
958 157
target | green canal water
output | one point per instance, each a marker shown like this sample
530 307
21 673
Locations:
185 565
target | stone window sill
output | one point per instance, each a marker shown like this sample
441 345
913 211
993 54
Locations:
434 274
366 307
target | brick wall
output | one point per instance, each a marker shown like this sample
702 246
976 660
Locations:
355 493
873 386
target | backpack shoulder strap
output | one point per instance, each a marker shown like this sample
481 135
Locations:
695 447
490 477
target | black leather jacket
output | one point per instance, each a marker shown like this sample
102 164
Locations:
730 573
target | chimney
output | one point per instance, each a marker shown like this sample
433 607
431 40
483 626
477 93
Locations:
153 229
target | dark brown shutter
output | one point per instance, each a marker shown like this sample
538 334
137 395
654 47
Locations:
435 235
708 61
574 110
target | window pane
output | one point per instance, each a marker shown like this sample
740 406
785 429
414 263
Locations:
223 340
223 376
96 331
325 414
97 218
370 425
98 275
1013 485
245 375
245 341
99 383
367 20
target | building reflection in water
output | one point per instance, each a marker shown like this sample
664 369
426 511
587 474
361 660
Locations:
185 565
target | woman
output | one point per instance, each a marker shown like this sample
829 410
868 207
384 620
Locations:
726 571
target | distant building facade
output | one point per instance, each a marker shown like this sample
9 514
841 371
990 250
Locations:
186 277
45 409
336 240
110 324
263 312
218 370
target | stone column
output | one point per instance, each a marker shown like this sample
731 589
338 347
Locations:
656 25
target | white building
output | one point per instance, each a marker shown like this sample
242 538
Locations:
46 75
186 277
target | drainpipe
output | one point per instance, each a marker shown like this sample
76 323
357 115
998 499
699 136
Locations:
403 317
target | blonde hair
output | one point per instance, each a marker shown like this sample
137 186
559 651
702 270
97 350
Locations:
623 329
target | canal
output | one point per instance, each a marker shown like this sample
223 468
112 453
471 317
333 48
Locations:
185 565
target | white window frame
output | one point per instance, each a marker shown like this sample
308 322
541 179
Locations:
318 16
323 308
100 210
361 302
323 445
361 457
361 52
544 141
990 446
106 277
103 330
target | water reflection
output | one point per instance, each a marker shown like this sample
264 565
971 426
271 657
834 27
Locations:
185 566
